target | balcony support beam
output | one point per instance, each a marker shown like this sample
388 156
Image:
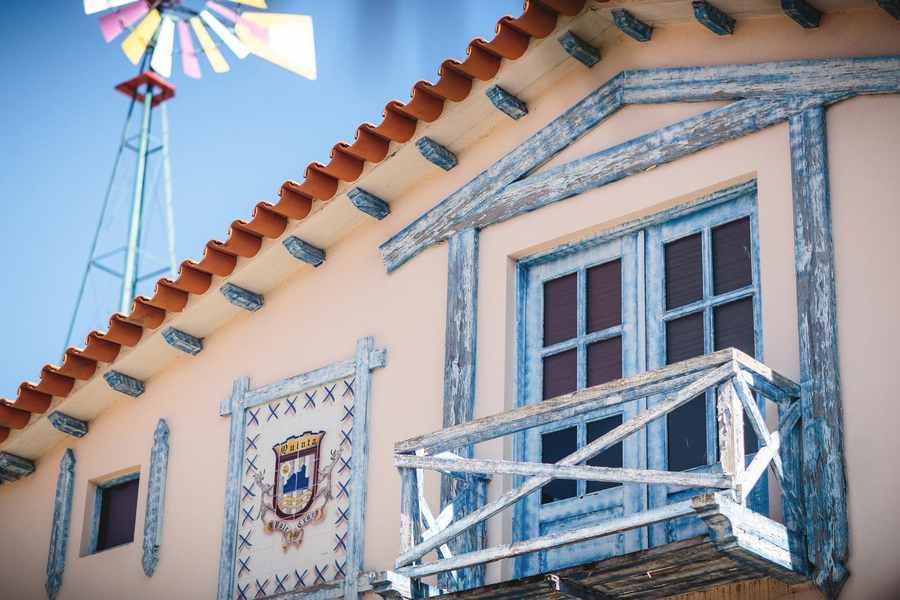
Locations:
573 589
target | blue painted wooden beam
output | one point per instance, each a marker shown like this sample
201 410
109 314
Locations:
805 14
242 298
304 251
156 498
506 102
68 425
713 18
14 467
183 341
124 383
59 533
436 154
892 7
631 25
369 203
825 480
579 49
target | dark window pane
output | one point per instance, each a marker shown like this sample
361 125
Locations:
554 447
604 296
611 457
684 271
560 309
731 256
604 361
733 324
684 338
560 373
686 435
117 509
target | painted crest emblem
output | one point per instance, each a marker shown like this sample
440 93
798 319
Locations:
296 474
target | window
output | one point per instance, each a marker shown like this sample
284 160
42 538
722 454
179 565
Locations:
115 507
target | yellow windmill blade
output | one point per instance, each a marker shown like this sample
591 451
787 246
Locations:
136 43
290 45
254 3
216 60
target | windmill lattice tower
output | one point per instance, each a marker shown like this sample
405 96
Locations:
133 256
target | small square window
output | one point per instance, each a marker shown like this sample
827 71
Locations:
114 512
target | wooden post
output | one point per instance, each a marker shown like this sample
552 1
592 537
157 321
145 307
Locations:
410 519
730 414
823 422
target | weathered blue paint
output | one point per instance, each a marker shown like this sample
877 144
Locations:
892 7
631 25
506 102
823 440
805 14
62 514
14 467
242 298
712 18
304 251
579 49
68 425
838 79
436 153
183 341
156 498
228 547
124 384
369 203
98 502
459 394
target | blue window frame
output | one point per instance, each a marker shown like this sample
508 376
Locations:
682 282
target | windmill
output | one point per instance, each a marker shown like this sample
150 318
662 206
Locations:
154 33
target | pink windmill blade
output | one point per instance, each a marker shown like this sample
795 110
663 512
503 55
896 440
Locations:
255 29
189 62
114 23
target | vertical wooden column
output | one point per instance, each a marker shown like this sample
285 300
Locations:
459 393
823 444
730 415
410 520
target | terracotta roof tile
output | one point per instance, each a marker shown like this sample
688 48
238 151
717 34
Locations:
371 144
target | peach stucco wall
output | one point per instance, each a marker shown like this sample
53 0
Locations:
316 317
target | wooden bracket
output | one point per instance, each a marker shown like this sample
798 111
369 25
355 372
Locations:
712 18
68 425
123 383
579 49
14 467
506 102
631 25
368 203
304 251
181 340
242 298
805 14
436 153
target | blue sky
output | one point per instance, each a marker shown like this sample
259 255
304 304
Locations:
234 137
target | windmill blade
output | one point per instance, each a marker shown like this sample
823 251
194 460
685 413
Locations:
257 30
291 44
234 44
95 6
161 61
114 23
216 60
135 44
189 63
254 3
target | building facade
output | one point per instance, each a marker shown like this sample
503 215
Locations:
606 311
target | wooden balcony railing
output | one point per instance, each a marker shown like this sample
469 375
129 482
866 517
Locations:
735 375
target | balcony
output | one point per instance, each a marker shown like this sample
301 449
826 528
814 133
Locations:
737 545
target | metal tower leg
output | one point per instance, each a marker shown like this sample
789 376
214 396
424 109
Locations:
129 278
167 190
